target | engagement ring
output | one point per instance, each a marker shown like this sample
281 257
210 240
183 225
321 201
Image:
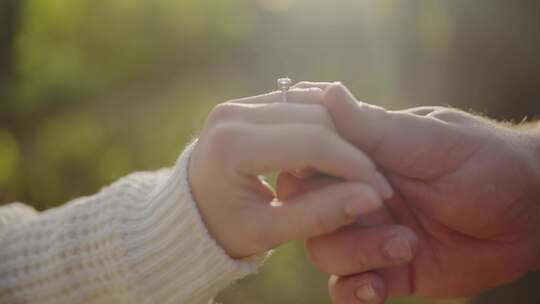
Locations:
283 85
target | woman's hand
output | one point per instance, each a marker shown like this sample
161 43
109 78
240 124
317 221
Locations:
248 137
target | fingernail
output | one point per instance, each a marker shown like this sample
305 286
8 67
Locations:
398 248
366 293
383 186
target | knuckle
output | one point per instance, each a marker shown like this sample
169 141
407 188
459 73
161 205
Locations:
222 112
223 139
337 90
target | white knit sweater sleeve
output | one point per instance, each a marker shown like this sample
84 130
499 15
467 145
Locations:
140 240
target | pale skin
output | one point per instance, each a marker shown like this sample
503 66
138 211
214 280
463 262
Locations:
245 138
465 203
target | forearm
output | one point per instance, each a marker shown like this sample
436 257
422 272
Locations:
140 240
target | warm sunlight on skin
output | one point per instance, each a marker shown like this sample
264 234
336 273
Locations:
91 92
466 186
247 137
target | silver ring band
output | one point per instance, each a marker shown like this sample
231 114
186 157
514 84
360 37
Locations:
284 84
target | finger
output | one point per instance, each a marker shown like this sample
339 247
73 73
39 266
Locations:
364 288
290 186
304 85
271 113
351 250
396 284
370 122
296 95
397 278
256 149
396 140
310 84
319 212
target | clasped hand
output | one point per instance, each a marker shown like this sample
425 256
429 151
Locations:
426 201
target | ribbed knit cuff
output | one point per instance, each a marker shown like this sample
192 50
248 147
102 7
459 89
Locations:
169 251
15 214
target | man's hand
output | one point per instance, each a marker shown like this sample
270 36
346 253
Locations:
467 187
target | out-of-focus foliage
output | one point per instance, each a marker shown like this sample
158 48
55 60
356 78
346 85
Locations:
98 89
9 156
66 49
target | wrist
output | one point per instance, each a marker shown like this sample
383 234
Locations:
219 218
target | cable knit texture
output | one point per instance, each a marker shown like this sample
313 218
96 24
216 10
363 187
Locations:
140 240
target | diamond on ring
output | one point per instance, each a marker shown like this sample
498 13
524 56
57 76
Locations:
284 85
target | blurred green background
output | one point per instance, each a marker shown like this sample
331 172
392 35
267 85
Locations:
93 90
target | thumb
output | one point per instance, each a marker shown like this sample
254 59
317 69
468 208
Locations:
397 140
319 212
361 123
